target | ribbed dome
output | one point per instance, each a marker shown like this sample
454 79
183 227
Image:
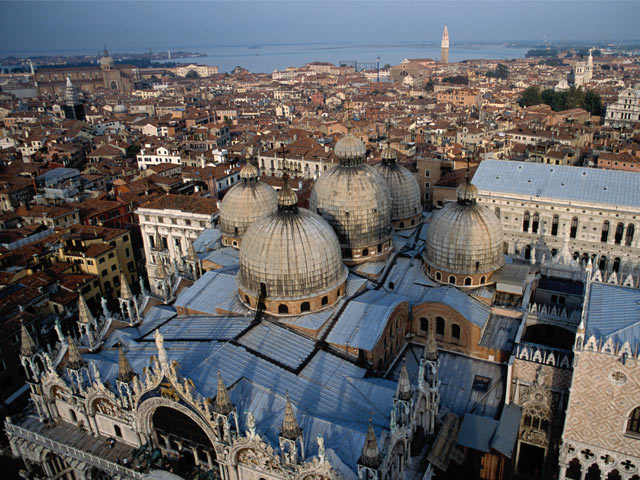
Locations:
293 253
464 237
403 186
246 202
349 147
249 171
355 201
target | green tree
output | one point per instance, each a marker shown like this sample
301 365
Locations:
530 96
192 74
428 87
387 66
593 103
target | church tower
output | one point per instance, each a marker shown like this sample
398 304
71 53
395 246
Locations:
72 107
444 46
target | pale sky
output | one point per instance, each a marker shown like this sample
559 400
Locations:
56 27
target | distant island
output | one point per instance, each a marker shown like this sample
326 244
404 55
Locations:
22 63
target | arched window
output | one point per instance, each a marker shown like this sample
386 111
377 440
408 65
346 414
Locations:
424 324
633 425
73 416
246 300
527 252
439 326
619 232
535 223
305 307
483 280
282 308
554 225
365 252
117 431
605 232
497 210
114 85
391 285
427 173
467 281
325 300
525 222
616 264
602 264
438 276
455 332
629 236
452 279
401 224
574 227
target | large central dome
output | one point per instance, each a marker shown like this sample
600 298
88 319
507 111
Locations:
464 241
243 204
290 258
355 200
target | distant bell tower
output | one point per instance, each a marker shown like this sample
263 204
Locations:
444 46
72 106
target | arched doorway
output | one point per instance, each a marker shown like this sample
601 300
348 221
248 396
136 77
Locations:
186 446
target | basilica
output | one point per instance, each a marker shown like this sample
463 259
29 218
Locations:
355 339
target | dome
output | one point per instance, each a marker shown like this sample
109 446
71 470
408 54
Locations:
406 209
354 198
243 204
106 60
292 258
464 241
120 109
350 146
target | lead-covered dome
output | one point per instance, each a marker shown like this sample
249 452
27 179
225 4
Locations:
464 241
406 209
354 198
291 261
243 204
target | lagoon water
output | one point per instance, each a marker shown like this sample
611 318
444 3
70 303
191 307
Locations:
266 58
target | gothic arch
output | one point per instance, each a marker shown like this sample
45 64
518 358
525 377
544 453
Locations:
145 411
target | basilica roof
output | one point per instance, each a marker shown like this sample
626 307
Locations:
613 312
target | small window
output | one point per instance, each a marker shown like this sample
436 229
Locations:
282 308
438 276
325 300
424 324
439 326
452 279
467 281
117 431
483 280
73 415
455 332
427 173
305 307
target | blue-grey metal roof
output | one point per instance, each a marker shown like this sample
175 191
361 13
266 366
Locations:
559 182
473 310
215 290
203 327
499 332
225 257
407 276
207 240
476 432
364 319
457 373
614 311
279 343
504 440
